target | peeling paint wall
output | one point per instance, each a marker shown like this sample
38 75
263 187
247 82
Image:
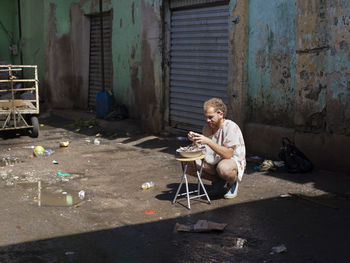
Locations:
59 45
299 69
299 64
323 73
8 30
67 55
150 96
34 41
271 61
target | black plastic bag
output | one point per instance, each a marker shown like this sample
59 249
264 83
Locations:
295 161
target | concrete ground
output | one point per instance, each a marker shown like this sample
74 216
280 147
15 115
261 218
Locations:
119 222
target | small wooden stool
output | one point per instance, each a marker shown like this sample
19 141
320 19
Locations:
184 164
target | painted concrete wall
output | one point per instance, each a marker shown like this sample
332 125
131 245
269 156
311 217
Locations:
33 43
271 61
136 56
56 38
8 30
299 58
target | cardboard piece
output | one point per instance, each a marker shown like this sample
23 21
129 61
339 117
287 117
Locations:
200 226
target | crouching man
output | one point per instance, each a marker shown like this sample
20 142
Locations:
225 150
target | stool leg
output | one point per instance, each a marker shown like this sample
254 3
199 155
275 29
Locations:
182 180
187 190
201 182
198 188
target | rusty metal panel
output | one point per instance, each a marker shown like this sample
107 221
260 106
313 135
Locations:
191 3
198 62
95 73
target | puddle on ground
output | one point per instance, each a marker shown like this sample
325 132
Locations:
59 199
49 196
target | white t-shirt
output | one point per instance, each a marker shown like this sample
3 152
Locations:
228 135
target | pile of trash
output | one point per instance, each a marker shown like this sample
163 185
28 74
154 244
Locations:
265 165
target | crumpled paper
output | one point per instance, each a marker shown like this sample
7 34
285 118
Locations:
200 226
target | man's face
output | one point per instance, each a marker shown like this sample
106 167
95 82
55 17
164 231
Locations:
213 117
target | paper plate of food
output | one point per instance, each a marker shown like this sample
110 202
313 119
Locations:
191 151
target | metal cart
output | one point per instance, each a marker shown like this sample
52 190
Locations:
19 98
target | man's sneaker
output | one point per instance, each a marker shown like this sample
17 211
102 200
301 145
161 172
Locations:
217 188
232 192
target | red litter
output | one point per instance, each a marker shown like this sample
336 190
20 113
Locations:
150 212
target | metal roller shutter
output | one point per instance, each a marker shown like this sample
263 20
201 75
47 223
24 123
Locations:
198 63
189 3
95 73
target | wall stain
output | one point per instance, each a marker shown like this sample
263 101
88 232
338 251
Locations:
133 12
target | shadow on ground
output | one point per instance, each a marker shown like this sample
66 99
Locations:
311 233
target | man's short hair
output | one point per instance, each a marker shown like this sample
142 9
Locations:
217 104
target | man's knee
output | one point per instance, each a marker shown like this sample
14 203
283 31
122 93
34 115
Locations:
227 169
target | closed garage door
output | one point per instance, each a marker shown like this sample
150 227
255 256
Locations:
198 62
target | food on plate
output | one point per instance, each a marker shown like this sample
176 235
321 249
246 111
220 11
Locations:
191 148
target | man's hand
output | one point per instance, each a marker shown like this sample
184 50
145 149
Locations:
190 136
223 151
200 139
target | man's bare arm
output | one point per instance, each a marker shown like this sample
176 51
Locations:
223 151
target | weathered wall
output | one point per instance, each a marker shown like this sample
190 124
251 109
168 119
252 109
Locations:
8 30
127 52
323 66
271 61
34 41
151 93
237 90
136 56
67 54
299 61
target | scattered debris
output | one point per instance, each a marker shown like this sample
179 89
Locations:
28 147
62 174
39 151
48 152
97 142
148 185
64 144
67 253
239 242
9 161
54 162
254 159
279 249
150 212
200 226
285 195
81 194
278 163
267 165
81 124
